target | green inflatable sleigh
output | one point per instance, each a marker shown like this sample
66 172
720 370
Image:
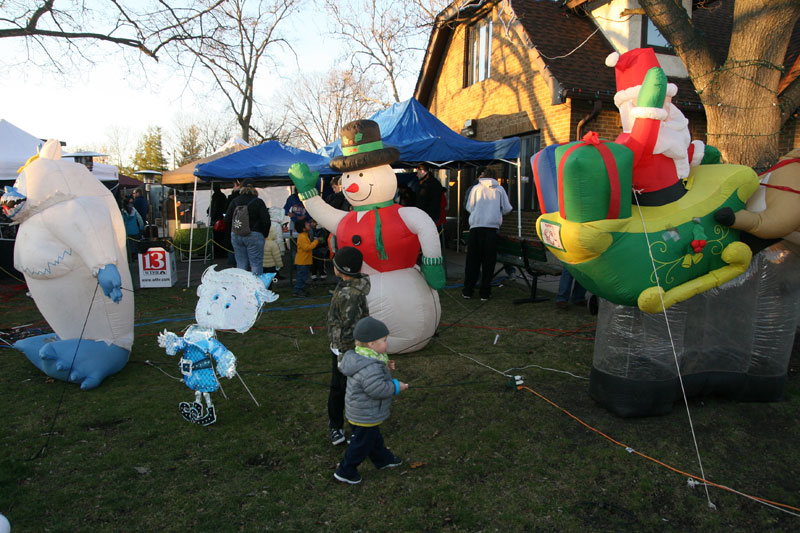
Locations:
648 256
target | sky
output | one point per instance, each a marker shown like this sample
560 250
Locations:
80 109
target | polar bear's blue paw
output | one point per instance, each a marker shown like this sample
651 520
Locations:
86 362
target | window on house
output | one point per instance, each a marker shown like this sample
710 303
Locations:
479 52
528 146
652 38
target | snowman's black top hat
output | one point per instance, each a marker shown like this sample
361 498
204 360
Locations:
362 148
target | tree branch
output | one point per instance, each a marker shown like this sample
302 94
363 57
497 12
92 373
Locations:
675 25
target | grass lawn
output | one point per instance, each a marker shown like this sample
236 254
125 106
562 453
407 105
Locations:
479 455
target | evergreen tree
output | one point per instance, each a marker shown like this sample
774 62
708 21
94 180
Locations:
149 153
189 148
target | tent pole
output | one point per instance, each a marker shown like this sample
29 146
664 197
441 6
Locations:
191 233
458 212
519 199
209 229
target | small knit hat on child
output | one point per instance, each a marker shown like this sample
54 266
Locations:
370 329
347 260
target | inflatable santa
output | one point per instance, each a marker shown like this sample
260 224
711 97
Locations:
389 236
653 128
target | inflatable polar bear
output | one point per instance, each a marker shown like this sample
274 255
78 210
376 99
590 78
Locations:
71 248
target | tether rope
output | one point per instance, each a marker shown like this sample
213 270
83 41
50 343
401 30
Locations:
674 352
42 450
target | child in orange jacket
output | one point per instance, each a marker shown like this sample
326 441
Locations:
303 258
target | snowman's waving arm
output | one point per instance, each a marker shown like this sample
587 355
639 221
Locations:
306 182
326 216
419 223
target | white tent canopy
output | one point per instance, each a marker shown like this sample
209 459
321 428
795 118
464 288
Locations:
16 147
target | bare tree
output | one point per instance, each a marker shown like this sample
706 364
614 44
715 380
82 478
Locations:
744 107
215 131
320 104
422 13
119 146
271 128
125 23
376 35
189 147
236 40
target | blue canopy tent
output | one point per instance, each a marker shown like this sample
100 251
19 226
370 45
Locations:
269 161
266 164
423 138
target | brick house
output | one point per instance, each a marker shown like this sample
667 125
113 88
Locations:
536 69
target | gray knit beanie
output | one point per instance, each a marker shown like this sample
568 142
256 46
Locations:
370 329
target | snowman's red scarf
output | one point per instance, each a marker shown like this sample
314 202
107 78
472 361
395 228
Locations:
378 236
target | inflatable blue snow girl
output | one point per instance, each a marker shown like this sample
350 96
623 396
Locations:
228 300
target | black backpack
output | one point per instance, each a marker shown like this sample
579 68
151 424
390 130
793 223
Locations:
240 224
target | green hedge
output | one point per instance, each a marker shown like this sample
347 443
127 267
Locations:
199 239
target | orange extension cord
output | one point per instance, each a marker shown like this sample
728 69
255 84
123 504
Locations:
640 454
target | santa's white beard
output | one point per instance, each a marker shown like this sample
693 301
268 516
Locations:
673 136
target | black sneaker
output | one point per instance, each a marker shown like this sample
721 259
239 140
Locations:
395 461
466 296
355 480
337 436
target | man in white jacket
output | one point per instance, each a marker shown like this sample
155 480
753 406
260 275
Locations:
487 202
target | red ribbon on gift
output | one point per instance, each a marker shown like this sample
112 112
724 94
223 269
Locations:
593 139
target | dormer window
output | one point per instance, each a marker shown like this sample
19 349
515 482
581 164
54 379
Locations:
652 38
479 52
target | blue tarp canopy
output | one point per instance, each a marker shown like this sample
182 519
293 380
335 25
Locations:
267 161
421 137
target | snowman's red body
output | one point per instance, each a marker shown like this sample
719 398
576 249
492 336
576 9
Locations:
401 249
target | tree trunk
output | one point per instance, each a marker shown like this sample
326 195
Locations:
740 95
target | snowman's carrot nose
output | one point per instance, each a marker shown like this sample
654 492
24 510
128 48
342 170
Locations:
352 188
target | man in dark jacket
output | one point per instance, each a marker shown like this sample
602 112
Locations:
429 196
216 212
336 198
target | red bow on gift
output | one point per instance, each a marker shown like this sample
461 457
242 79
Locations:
591 138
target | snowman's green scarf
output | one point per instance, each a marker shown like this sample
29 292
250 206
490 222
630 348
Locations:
378 236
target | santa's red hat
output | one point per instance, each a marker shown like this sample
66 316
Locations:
630 69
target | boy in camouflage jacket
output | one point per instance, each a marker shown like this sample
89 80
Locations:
348 306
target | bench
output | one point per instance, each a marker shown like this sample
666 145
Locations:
528 255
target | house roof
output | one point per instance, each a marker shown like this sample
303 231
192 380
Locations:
574 51
571 46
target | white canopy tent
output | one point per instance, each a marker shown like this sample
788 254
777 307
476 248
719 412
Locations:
16 147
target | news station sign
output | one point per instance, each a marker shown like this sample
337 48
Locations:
157 268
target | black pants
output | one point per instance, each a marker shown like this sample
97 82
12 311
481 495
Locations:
336 395
481 258
365 442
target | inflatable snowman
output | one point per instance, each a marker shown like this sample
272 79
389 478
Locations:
71 248
389 236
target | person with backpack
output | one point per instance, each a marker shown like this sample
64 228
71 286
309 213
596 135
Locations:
248 220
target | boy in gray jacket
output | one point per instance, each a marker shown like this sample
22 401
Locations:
370 388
